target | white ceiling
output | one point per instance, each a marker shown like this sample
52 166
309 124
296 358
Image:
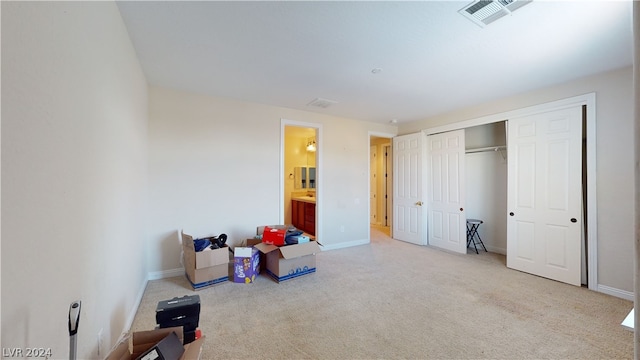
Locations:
433 60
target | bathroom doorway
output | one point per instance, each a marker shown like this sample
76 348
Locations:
380 182
301 175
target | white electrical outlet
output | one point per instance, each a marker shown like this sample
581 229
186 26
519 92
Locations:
100 342
341 228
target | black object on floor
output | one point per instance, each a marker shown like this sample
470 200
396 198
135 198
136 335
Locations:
180 311
472 234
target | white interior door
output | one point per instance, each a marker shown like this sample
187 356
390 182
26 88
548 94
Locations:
447 222
545 194
408 224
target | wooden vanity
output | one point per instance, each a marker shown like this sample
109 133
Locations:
303 215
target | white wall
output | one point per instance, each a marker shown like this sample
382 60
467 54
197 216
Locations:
74 137
486 197
215 168
615 153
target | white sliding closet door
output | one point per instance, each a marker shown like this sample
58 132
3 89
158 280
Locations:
545 194
408 224
446 222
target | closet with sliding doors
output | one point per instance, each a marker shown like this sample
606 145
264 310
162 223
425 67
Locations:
524 178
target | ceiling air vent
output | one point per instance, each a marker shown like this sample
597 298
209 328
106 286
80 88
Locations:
484 12
321 103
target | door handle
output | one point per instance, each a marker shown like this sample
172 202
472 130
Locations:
511 214
419 203
573 220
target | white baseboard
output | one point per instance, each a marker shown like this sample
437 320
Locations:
345 244
623 294
132 315
150 276
134 311
497 250
627 295
156 275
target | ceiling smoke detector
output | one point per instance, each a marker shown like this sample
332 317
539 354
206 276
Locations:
321 103
484 12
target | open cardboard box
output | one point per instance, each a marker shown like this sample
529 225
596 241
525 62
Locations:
207 267
289 261
135 344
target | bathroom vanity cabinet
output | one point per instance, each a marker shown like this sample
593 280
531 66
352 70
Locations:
303 216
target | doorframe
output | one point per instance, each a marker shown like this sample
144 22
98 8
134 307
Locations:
389 136
592 214
388 183
319 171
373 149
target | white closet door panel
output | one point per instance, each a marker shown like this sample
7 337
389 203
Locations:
445 206
545 194
408 224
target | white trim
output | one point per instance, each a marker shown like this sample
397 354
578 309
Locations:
134 311
319 172
497 250
627 295
592 204
382 134
386 136
157 275
592 216
343 245
130 318
530 110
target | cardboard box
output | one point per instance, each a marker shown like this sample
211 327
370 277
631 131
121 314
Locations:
168 348
263 260
134 345
207 267
246 264
290 261
252 242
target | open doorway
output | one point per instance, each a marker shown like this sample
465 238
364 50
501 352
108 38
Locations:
301 176
380 183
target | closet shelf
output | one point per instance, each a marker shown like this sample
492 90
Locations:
483 149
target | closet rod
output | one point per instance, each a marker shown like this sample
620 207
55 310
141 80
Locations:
489 148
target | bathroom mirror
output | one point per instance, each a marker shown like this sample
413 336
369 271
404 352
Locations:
312 178
304 177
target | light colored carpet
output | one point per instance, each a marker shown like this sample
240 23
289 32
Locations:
394 300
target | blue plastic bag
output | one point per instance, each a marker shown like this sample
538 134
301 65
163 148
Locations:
201 244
